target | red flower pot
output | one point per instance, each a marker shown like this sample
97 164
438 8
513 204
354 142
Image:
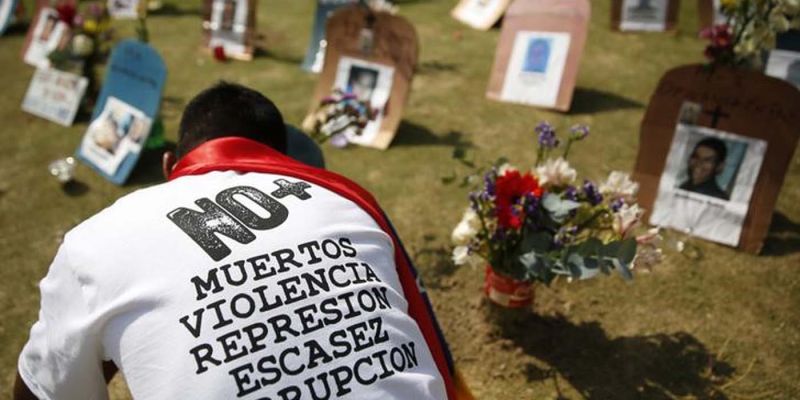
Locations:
505 291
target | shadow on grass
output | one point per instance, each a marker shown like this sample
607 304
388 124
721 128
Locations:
261 52
783 237
659 366
434 265
171 10
17 29
75 188
435 66
148 169
412 134
590 101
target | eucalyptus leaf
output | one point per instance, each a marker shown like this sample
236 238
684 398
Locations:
559 208
627 250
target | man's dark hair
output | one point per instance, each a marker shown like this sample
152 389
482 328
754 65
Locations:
714 144
228 109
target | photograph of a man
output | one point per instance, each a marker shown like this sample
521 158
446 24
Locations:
706 162
228 15
362 82
537 56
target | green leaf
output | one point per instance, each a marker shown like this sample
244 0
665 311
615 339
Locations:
627 251
449 179
539 241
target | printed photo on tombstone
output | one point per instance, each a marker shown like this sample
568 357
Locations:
315 53
8 9
644 15
480 14
707 183
48 33
370 82
124 9
784 64
119 130
536 68
231 26
55 95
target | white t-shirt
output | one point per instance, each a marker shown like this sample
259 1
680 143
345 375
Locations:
302 302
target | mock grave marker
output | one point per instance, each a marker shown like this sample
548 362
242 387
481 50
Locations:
710 13
714 149
539 53
46 34
126 108
315 54
480 14
784 60
644 15
372 55
125 9
55 95
8 9
231 26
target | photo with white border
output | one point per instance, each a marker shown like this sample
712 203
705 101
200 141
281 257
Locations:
479 13
123 9
48 35
784 64
229 25
536 67
644 15
371 82
120 129
707 183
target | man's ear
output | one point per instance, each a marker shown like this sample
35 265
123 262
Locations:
168 161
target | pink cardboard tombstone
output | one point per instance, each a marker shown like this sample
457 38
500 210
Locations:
644 15
714 149
539 53
383 50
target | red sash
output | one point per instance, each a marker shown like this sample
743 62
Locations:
244 155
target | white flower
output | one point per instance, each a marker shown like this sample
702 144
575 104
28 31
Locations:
619 185
501 170
462 256
556 172
466 230
82 45
383 5
627 219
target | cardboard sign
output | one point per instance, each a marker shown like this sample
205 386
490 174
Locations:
46 33
373 55
480 14
55 95
714 149
125 9
230 24
126 108
710 13
539 52
315 54
784 60
644 15
7 11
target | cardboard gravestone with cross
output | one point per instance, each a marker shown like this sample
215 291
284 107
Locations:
229 26
480 14
710 13
371 55
315 54
126 108
644 15
714 149
539 53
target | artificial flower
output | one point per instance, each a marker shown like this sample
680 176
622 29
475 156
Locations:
619 185
626 220
556 172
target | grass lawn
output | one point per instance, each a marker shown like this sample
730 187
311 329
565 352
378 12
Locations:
722 326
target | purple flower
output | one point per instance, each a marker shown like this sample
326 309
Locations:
339 141
531 204
591 193
617 204
565 235
579 132
571 193
488 181
547 135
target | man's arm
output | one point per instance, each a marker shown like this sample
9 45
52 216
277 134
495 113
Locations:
22 392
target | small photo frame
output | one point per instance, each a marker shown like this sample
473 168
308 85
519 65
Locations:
644 15
124 9
118 131
49 34
480 14
784 64
707 183
536 68
368 81
229 26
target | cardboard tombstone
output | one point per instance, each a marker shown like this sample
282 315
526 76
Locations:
644 15
126 9
783 62
710 13
370 54
55 95
315 54
231 26
480 14
714 149
8 9
539 53
126 108
46 34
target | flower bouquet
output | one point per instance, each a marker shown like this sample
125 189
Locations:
751 28
535 225
339 116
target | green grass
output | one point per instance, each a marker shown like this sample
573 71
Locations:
724 326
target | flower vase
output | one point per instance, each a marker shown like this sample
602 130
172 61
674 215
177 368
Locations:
505 291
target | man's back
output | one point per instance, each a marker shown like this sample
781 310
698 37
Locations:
290 292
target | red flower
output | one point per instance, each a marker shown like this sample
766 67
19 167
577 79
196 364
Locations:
66 12
511 188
